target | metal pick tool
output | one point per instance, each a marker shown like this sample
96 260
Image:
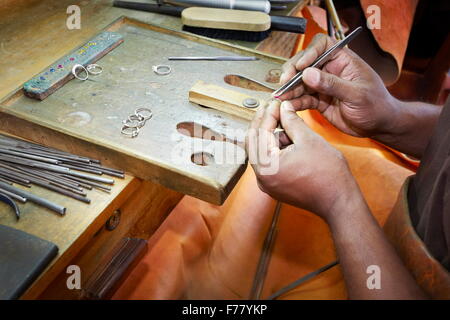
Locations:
217 58
317 63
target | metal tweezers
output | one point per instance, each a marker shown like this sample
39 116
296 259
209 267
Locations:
317 63
216 58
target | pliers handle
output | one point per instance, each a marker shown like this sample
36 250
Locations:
9 201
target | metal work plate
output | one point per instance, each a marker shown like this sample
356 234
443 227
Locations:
86 116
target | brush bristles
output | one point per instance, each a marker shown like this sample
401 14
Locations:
228 34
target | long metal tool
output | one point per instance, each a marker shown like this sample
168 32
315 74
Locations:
26 163
317 63
13 196
302 280
263 264
216 58
31 197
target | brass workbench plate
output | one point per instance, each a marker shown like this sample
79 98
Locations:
86 116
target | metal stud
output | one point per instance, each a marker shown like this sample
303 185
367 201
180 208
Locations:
250 103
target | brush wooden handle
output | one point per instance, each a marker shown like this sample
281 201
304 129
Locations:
226 19
250 5
277 23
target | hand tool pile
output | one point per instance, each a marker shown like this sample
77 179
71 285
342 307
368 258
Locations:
24 163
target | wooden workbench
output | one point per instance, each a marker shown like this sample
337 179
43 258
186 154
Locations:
33 35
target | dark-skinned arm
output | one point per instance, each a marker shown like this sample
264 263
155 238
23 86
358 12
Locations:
309 173
361 243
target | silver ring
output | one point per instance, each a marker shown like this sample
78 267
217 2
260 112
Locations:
94 69
74 72
131 132
138 112
162 69
134 121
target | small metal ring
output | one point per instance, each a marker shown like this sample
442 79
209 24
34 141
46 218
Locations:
134 121
92 67
135 117
74 72
138 113
159 69
126 131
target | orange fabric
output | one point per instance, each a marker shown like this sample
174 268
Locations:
383 48
203 251
316 24
396 23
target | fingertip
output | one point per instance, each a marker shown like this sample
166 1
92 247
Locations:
287 106
311 76
275 101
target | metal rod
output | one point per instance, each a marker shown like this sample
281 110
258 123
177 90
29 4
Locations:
79 168
67 154
14 176
214 58
75 194
29 156
263 264
89 177
13 195
59 178
39 175
77 191
93 184
15 181
96 167
33 198
103 170
55 168
335 18
47 154
108 169
5 181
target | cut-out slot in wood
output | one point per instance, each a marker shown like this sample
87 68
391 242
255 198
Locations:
196 130
246 83
202 158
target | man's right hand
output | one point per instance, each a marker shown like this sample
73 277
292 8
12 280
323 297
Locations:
347 91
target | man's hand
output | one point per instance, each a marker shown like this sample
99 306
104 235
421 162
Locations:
307 172
313 175
347 91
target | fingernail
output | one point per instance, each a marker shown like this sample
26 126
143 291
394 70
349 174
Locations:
286 105
312 76
283 75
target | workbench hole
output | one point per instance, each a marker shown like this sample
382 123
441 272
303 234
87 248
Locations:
197 130
242 82
202 158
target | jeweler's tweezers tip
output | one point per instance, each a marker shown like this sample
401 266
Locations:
321 59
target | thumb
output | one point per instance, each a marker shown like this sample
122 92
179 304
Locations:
292 124
328 83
